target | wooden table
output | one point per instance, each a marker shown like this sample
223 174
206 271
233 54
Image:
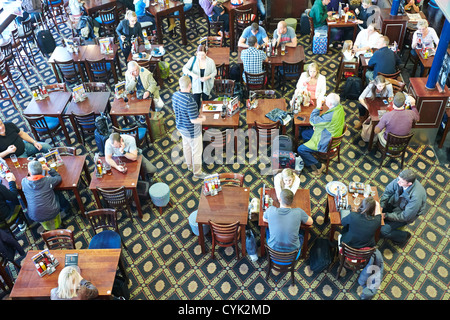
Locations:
264 107
306 114
293 55
92 52
29 285
302 200
334 216
135 107
161 11
364 65
228 206
153 61
92 6
340 23
52 106
230 9
118 179
220 55
61 54
95 101
70 173
375 105
427 63
227 122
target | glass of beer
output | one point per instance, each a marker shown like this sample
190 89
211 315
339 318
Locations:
283 49
42 160
15 160
108 168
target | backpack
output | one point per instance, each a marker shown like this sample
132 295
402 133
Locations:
235 72
352 88
282 159
120 289
320 255
304 24
101 124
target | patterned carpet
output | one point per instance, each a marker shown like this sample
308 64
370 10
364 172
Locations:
164 261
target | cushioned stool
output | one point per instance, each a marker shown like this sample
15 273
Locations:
160 195
52 224
194 225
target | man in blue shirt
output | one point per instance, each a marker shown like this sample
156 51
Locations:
189 124
384 60
253 58
284 224
253 30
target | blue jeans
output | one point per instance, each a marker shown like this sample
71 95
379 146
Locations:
414 54
389 231
305 152
187 6
31 150
261 9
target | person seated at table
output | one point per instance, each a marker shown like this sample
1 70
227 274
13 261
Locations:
72 286
347 51
9 203
400 120
143 15
186 7
215 12
311 81
366 40
127 4
253 30
286 179
324 127
320 14
31 9
284 34
402 202
125 146
423 37
202 70
76 8
365 14
384 60
283 231
44 203
377 88
359 227
9 246
128 30
253 58
17 141
138 79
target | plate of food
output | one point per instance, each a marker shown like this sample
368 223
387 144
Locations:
333 186
209 107
158 52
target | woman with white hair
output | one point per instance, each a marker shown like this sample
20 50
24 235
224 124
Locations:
72 286
424 36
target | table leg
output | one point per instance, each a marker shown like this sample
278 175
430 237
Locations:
64 128
327 213
159 33
201 237
80 202
305 243
354 32
243 240
272 67
296 134
332 230
183 26
263 241
231 31
149 129
86 172
97 198
138 203
114 121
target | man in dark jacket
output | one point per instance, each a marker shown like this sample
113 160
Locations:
384 60
44 203
8 200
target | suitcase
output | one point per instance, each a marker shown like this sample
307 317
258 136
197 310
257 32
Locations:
320 44
45 40
304 24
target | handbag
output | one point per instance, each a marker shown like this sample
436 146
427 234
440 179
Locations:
366 130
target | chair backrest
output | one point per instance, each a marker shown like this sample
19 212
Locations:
281 261
225 235
218 138
348 66
356 259
221 74
231 179
65 151
37 123
56 87
396 145
103 219
224 87
397 85
335 143
394 75
255 81
27 27
7 49
115 198
130 131
267 132
95 87
262 94
86 122
108 16
4 66
243 18
59 239
212 41
292 70
311 26
69 71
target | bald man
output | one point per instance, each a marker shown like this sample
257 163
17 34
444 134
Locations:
284 34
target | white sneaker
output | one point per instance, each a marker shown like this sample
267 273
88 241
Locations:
159 103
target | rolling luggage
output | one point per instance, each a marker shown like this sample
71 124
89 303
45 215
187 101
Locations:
320 43
45 41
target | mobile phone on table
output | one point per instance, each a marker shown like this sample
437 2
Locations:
385 101
300 118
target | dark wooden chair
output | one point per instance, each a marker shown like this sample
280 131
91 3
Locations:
59 239
7 278
262 94
106 232
13 221
311 27
219 139
333 150
85 124
212 41
58 13
395 147
21 54
65 151
13 62
42 126
397 86
214 27
266 132
5 78
255 81
224 87
242 19
139 133
69 71
95 87
99 70
281 262
396 75
109 22
27 36
224 235
289 71
231 179
345 66
56 87
354 259
119 198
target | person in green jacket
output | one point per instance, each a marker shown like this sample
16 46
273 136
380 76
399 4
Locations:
324 127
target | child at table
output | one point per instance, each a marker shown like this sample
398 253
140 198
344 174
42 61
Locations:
347 51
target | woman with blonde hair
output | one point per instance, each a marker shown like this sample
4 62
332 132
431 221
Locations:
423 37
286 179
312 81
72 286
128 30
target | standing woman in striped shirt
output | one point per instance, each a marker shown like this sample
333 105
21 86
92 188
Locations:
189 124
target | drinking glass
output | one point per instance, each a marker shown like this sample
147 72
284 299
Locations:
14 160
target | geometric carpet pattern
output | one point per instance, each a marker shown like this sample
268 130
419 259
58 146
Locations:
164 260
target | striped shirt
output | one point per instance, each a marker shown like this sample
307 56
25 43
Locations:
252 60
186 109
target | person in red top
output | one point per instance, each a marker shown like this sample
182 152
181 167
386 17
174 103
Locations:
400 120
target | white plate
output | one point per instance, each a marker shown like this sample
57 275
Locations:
217 107
332 186
160 54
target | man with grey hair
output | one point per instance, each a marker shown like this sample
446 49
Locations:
325 126
189 124
44 204
402 202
